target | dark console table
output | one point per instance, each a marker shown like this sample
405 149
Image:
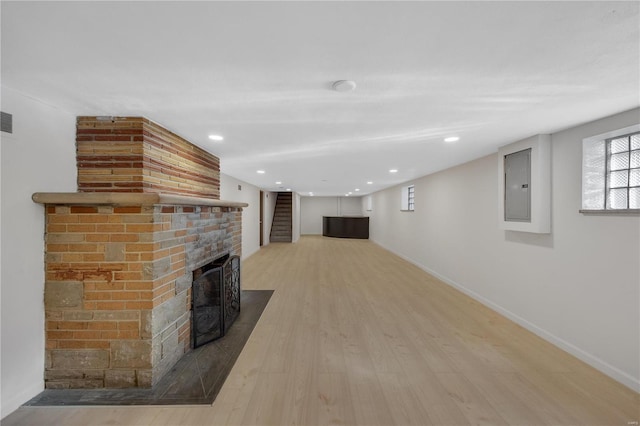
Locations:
345 226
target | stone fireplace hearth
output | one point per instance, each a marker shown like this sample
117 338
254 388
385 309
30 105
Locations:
120 256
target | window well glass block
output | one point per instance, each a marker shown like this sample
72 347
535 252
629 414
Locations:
635 159
617 199
634 198
611 171
619 145
619 179
634 177
619 161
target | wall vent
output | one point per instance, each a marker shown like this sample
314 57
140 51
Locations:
7 122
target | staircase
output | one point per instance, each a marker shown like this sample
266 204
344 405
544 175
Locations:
281 226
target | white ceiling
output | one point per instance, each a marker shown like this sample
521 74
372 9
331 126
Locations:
260 74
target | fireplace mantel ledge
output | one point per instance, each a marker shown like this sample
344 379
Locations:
127 198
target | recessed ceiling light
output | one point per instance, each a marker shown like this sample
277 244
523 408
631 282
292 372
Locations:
350 193
346 195
344 85
393 171
357 189
216 137
452 139
260 172
278 183
369 183
288 189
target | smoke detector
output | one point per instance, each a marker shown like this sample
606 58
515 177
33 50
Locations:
344 85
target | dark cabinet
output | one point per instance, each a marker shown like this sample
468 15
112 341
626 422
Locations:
345 226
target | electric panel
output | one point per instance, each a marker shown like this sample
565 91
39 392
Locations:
517 186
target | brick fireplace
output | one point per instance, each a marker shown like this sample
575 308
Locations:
120 253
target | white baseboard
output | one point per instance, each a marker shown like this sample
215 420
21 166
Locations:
600 365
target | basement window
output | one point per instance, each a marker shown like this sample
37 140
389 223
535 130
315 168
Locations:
623 172
611 172
408 197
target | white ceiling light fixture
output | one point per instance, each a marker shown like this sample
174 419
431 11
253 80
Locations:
369 183
452 139
357 189
344 85
260 172
393 171
278 183
216 138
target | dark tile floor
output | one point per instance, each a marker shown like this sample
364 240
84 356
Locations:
195 379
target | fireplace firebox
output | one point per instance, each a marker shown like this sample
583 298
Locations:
216 299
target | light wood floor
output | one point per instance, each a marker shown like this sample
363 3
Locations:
354 335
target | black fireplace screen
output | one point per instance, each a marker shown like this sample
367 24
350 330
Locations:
216 300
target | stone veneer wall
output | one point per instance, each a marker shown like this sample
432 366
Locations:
134 154
118 288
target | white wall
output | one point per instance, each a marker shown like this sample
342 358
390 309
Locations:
350 206
269 212
3 412
38 156
578 287
295 213
311 211
250 215
313 208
